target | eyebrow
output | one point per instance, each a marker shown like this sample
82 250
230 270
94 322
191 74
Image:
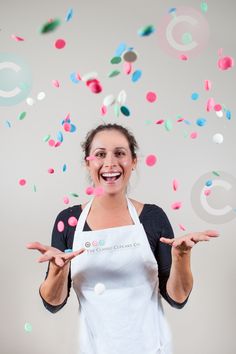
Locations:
116 148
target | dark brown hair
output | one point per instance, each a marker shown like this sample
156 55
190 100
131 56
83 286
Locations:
86 145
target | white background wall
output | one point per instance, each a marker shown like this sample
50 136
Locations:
207 324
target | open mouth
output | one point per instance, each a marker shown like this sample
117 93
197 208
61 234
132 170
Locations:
111 177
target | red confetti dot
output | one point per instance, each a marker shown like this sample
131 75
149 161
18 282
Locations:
160 121
22 182
217 107
72 221
151 160
151 97
51 142
89 190
60 226
51 170
60 43
183 57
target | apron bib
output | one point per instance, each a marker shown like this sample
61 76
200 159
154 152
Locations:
116 283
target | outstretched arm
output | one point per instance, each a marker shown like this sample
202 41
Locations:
180 281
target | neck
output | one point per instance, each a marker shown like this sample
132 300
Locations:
110 202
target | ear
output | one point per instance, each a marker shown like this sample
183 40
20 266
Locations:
134 163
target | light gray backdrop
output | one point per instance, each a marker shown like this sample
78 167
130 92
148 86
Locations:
207 324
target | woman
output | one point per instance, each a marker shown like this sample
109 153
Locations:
124 256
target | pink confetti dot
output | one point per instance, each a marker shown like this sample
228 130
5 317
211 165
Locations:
22 182
72 221
55 83
208 85
193 135
207 192
160 121
51 142
98 191
225 63
103 110
182 227
89 190
60 226
51 170
151 160
183 57
17 38
175 184
176 205
60 43
217 107
210 104
66 200
67 127
127 68
58 143
151 97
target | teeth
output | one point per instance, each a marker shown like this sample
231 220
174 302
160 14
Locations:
111 174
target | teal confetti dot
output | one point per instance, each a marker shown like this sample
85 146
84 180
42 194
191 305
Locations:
117 110
215 173
208 183
204 7
72 128
146 31
74 194
28 327
195 96
125 111
69 15
114 73
46 138
64 168
68 250
187 122
34 188
201 122
21 115
168 125
115 60
172 10
136 75
50 26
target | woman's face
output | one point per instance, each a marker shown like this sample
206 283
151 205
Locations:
113 163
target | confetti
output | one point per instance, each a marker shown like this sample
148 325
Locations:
114 73
99 288
120 49
193 135
225 63
115 60
117 110
217 107
195 96
127 68
210 104
160 121
50 26
60 226
207 192
215 173
228 114
208 183
176 205
30 101
66 200
21 116
168 125
121 97
72 221
51 142
207 85
201 122
124 110
64 168
69 15
22 182
151 160
175 184
34 188
130 56
74 194
182 227
60 137
103 110
204 7
17 38
219 114
74 78
7 124
218 138
109 100
136 75
55 83
28 327
46 138
146 30
151 97
51 170
41 96
59 43
89 190
183 57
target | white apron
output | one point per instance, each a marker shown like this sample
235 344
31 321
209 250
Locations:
126 315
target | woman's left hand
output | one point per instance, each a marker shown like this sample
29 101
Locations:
184 244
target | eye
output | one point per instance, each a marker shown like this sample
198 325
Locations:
100 154
120 153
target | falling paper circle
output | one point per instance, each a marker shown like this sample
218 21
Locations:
50 26
22 182
207 192
66 200
108 100
208 183
125 111
60 43
193 135
130 56
122 97
21 116
219 114
151 160
218 138
207 85
201 122
99 288
115 60
175 184
41 96
28 327
195 96
55 83
60 226
72 221
120 49
176 205
30 101
151 97
136 75
51 170
225 63
69 15
217 107
146 30
89 190
114 73
127 68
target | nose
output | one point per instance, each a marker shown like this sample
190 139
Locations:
110 160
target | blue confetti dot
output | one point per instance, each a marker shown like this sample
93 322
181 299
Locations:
201 122
69 15
228 115
120 50
136 75
172 10
74 78
7 124
187 122
208 183
72 128
195 96
60 137
68 250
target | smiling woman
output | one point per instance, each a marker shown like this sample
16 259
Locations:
123 253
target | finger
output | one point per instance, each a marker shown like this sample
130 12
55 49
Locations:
212 233
59 261
45 258
37 246
168 241
72 255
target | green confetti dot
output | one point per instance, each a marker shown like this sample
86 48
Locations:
114 73
28 327
116 110
204 6
34 188
74 194
115 60
168 125
50 26
187 38
21 115
46 138
125 111
215 173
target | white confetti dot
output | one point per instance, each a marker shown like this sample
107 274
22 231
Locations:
30 101
41 96
218 138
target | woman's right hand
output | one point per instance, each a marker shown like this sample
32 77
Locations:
52 254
